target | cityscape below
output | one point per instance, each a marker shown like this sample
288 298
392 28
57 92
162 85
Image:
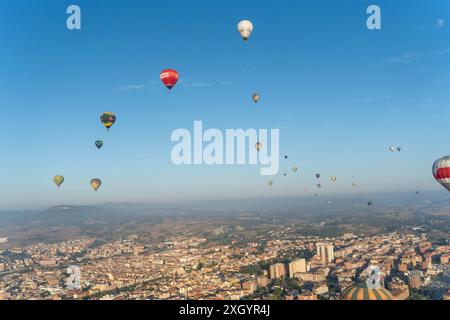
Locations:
312 251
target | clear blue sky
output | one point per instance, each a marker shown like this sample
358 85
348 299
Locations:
340 94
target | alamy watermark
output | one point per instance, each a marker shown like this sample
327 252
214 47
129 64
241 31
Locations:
73 281
374 279
73 21
374 20
235 147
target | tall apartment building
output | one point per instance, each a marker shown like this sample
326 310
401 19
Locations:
277 270
325 251
297 266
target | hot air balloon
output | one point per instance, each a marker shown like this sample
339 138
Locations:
319 185
108 119
256 97
441 171
270 182
169 77
285 156
333 178
96 183
99 144
417 192
258 146
294 169
58 180
392 148
369 203
399 149
284 174
353 185
317 175
245 28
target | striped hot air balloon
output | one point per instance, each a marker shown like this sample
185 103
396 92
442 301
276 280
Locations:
169 77
441 171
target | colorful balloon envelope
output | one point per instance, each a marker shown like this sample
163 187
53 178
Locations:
169 78
294 169
333 178
256 97
392 148
96 183
441 171
98 144
245 29
108 119
58 180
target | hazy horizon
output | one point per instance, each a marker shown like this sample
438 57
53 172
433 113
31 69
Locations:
274 200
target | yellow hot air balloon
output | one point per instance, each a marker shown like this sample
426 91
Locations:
256 97
96 183
258 146
333 178
108 119
58 180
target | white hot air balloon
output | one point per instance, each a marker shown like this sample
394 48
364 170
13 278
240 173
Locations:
441 171
245 28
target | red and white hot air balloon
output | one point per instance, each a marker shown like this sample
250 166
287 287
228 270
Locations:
169 77
441 171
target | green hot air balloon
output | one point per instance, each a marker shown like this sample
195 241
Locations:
99 144
58 180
